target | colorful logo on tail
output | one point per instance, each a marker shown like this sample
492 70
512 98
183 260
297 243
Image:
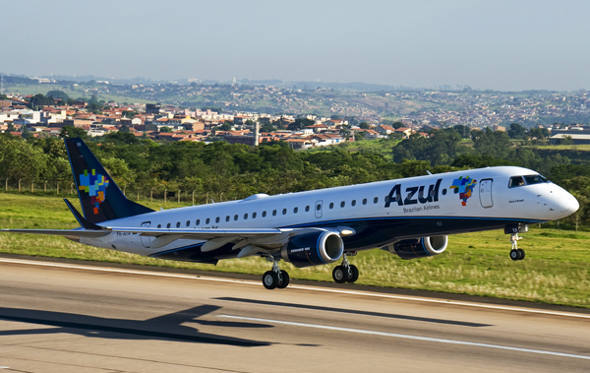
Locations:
464 186
96 186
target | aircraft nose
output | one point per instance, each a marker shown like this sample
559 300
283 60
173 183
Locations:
570 204
565 204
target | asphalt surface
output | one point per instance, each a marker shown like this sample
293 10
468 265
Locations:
100 319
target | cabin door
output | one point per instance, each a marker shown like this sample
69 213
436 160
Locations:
485 193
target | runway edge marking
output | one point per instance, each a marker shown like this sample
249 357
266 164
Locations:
408 336
293 286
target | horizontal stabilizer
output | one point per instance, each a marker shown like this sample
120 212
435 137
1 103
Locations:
62 232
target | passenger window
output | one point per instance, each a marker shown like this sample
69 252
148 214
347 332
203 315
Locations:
515 181
331 205
227 218
307 208
284 211
264 214
318 207
295 210
159 225
364 201
198 222
246 216
376 199
236 217
274 212
207 221
342 204
177 224
253 215
188 223
168 225
217 219
353 202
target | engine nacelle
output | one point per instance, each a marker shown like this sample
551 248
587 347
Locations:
421 247
313 248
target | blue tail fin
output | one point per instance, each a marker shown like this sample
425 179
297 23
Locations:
100 198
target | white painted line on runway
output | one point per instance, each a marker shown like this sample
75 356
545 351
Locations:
293 286
407 336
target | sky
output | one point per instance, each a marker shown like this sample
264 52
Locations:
501 45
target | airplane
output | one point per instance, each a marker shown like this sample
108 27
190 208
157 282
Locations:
410 217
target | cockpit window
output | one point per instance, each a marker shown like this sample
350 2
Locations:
535 179
515 181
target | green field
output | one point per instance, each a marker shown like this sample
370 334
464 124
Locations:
556 270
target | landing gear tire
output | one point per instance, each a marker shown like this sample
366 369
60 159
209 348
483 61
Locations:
284 281
353 273
517 254
270 280
339 274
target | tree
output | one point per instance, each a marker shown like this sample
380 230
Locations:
364 125
300 123
226 126
165 129
70 131
39 100
94 105
516 131
58 95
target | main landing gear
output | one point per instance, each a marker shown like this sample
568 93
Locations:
345 272
275 278
514 230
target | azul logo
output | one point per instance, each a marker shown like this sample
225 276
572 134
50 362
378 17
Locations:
464 186
96 186
413 195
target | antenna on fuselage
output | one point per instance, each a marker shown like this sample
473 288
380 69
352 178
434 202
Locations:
428 172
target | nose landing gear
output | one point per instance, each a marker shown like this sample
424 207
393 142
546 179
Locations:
514 230
516 253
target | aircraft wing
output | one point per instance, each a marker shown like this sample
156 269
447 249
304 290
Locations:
202 234
62 232
198 234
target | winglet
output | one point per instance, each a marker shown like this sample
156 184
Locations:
83 222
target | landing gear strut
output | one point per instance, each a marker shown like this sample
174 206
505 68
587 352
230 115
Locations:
516 253
514 230
275 278
345 272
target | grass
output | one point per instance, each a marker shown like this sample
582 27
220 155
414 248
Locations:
578 147
556 270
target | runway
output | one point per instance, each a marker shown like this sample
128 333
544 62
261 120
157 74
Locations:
77 318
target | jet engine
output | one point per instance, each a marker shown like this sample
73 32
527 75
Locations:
421 247
313 248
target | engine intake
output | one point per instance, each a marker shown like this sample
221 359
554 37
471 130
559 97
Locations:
421 247
313 248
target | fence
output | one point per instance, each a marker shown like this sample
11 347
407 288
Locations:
66 188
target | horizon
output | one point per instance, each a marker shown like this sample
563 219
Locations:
81 78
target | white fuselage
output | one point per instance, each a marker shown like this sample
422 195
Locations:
438 199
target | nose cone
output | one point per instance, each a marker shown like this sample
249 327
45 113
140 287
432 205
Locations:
565 204
570 204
